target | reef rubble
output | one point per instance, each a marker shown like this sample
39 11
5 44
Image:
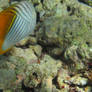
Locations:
58 56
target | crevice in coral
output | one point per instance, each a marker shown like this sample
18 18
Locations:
1 90
54 81
27 89
61 1
42 1
23 46
68 8
38 17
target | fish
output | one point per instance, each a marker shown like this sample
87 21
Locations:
16 22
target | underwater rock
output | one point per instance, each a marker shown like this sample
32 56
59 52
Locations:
37 50
50 4
45 8
4 3
62 33
7 78
77 56
23 42
35 73
54 89
46 85
32 40
67 83
88 89
77 80
27 54
27 41
63 75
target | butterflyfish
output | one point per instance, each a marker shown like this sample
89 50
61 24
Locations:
16 22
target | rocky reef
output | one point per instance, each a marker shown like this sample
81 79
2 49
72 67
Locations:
58 56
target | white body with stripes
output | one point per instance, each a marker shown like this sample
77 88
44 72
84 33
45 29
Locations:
23 25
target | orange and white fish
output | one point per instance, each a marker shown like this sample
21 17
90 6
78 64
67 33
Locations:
16 22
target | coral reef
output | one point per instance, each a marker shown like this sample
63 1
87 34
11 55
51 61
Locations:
58 56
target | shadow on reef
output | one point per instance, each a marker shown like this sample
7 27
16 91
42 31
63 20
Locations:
1 90
26 89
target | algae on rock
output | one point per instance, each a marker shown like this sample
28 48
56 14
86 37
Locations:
37 72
